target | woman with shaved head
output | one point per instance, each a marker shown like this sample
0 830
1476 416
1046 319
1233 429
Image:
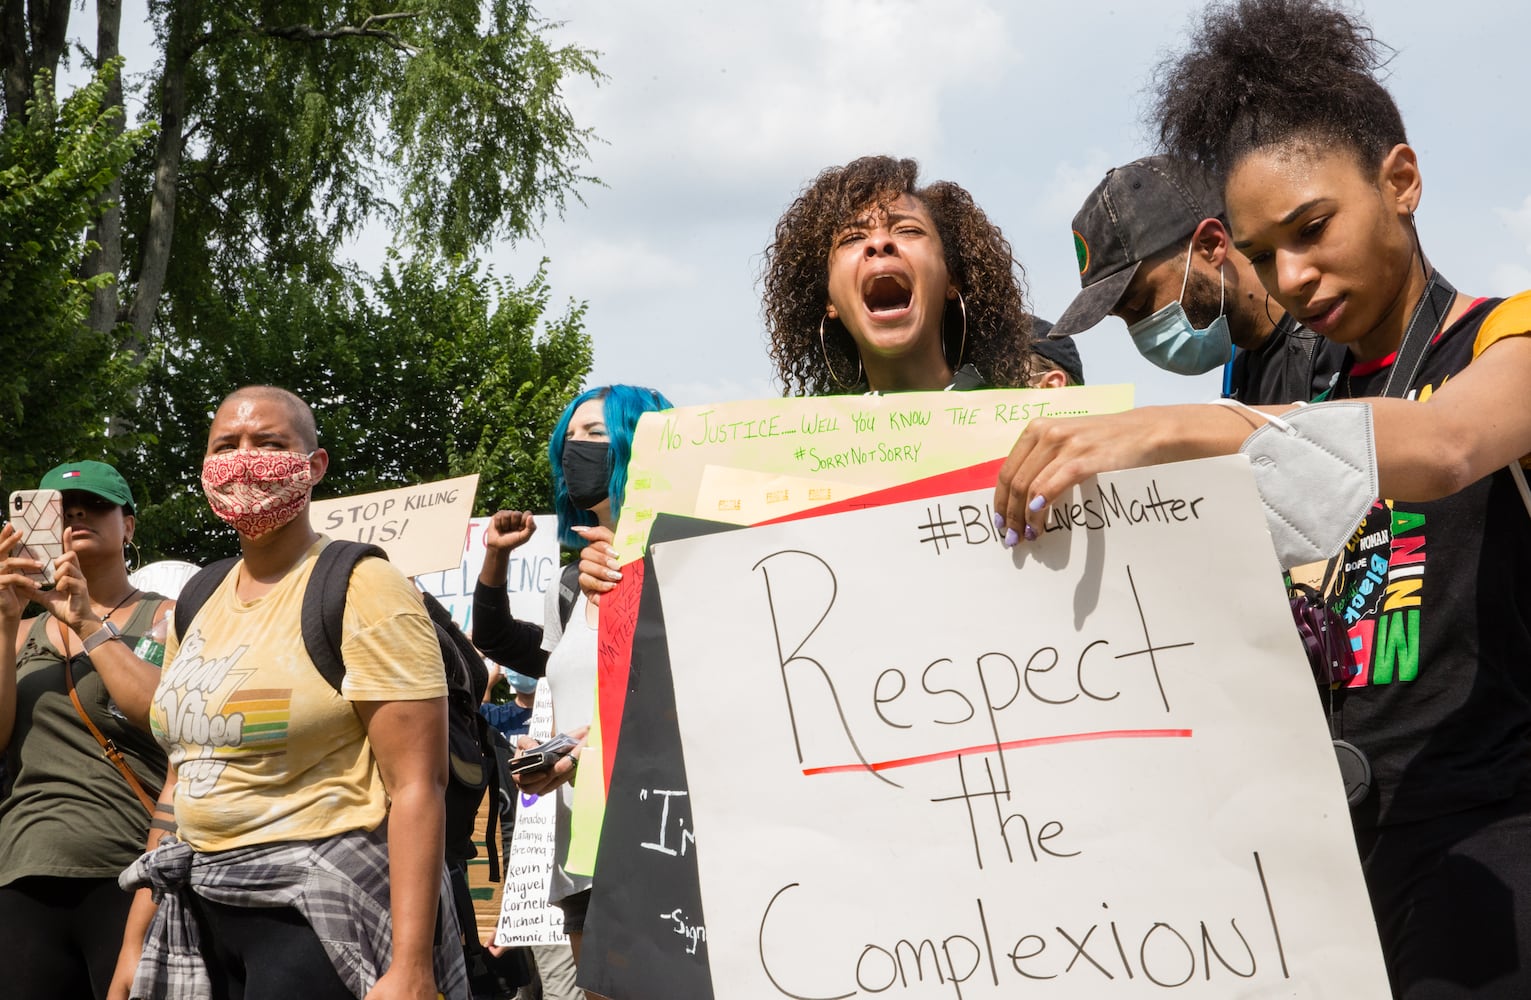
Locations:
297 848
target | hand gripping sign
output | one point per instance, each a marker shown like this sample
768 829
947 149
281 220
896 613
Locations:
921 765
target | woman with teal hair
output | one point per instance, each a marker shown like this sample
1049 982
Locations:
588 452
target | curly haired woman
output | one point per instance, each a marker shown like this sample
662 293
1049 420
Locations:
874 282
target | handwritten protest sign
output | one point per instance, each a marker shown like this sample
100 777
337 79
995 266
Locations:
1096 763
628 953
420 527
700 459
742 496
533 568
167 576
859 442
526 916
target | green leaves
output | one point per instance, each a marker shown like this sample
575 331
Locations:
433 369
483 141
443 119
299 125
62 379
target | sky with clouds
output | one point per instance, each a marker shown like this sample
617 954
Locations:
713 115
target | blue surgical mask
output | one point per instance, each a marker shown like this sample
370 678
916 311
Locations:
1168 339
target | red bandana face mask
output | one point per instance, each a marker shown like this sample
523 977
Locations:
257 491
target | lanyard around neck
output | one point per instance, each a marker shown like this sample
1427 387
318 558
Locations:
1435 300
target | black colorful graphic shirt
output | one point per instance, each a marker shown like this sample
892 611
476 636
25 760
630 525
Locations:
1437 598
1293 365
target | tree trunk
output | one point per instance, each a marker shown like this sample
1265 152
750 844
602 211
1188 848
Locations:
154 261
107 233
50 31
13 59
33 34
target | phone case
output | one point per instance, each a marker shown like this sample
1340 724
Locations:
39 516
543 756
532 762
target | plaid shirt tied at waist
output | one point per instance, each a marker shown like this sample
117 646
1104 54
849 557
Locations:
339 885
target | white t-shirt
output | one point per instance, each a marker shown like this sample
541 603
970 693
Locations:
571 674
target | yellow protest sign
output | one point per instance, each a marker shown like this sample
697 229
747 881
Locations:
706 461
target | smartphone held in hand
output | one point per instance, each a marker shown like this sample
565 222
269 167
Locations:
39 516
543 756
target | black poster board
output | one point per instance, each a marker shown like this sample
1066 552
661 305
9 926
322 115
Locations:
645 936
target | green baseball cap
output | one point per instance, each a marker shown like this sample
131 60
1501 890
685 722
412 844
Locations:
92 477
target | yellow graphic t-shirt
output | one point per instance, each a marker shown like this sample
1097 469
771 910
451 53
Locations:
263 748
1510 318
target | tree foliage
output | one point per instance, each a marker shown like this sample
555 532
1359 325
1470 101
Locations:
286 127
281 131
62 377
428 371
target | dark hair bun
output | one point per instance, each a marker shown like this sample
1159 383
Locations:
1259 73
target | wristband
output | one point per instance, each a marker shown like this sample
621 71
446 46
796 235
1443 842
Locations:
106 633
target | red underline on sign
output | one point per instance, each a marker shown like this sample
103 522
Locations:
1035 741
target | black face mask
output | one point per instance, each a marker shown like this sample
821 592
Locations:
586 472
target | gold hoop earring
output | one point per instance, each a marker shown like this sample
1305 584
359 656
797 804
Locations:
824 348
962 345
130 556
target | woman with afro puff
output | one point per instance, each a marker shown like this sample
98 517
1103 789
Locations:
1281 99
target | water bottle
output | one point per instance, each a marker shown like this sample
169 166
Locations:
151 646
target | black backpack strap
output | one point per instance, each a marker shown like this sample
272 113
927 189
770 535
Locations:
568 591
197 590
324 605
477 681
495 758
468 679
1429 318
462 905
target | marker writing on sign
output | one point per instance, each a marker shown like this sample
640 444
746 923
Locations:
953 691
1111 949
661 844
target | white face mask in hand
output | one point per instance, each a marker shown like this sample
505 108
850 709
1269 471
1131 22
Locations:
1316 470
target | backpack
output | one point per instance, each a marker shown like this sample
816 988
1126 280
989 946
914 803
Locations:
568 590
472 767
